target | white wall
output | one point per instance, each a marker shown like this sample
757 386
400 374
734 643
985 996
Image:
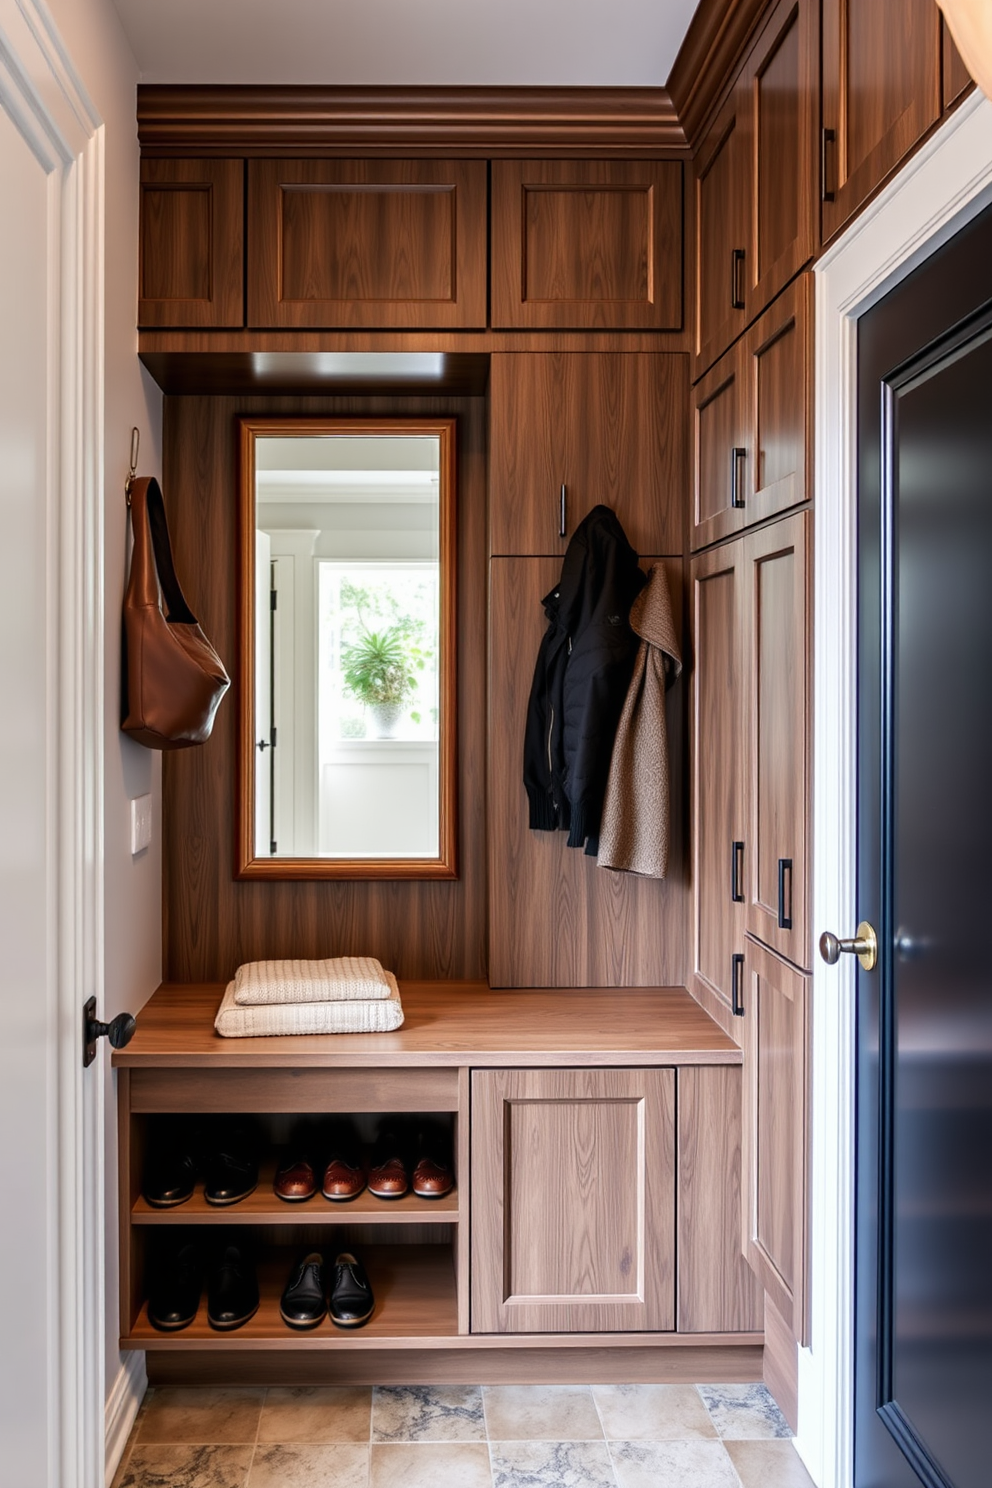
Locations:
96 43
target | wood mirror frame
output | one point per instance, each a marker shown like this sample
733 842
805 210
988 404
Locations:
247 864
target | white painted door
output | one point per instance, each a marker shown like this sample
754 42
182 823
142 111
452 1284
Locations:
263 697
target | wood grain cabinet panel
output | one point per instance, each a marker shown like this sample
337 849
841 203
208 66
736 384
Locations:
721 190
955 77
573 1213
375 243
555 918
776 1034
587 244
881 92
191 248
722 467
608 426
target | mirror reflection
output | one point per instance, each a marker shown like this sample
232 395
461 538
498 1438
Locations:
349 673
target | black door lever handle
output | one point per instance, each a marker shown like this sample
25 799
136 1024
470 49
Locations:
119 1030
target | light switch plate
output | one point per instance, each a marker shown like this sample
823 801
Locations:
141 824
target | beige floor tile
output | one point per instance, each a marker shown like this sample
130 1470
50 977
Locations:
316 1414
158 1466
744 1412
304 1465
194 1416
428 1413
652 1412
674 1464
558 1413
564 1464
431 1465
768 1464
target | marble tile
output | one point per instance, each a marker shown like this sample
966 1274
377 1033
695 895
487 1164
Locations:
768 1464
209 1416
157 1466
431 1465
743 1412
561 1464
541 1413
428 1413
316 1414
304 1465
652 1412
673 1464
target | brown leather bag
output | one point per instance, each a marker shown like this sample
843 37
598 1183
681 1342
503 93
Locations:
173 678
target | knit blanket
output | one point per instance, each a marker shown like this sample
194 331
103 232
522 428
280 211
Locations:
373 1015
337 979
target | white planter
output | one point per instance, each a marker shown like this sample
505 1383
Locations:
385 719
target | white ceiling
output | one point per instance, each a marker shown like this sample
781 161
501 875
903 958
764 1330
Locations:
500 42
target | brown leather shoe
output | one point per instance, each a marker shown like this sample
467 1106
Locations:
295 1178
388 1177
344 1178
432 1179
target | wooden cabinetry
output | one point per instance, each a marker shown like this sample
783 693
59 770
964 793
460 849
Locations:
367 243
881 92
573 1226
607 426
752 417
775 1186
721 233
587 244
191 243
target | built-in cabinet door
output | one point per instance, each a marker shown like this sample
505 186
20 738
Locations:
777 626
721 233
569 430
721 464
775 1139
556 919
191 244
955 77
573 1200
378 243
881 92
587 244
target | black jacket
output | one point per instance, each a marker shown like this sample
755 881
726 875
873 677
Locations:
580 682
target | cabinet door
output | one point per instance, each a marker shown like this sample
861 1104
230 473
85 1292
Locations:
780 84
555 918
721 233
776 374
776 1032
573 1201
367 243
191 248
718 738
955 77
609 427
591 244
777 628
722 467
881 92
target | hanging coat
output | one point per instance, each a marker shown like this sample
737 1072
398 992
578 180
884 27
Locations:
634 831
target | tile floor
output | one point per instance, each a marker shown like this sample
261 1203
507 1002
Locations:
463 1436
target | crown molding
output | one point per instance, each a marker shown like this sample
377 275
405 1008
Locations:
236 120
713 45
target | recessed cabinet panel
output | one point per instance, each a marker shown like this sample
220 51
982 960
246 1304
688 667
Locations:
775 1026
191 243
721 452
587 243
573 1215
721 227
367 243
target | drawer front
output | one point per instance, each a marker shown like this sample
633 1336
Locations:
300 1090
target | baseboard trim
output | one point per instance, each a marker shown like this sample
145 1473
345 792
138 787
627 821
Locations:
126 1395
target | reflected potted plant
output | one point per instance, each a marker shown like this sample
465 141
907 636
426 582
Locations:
378 672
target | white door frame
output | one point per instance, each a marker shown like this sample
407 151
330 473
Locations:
48 104
942 187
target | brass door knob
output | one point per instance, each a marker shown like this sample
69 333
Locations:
864 946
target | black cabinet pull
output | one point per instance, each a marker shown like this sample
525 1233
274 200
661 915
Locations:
784 867
562 500
737 985
827 137
737 455
736 292
737 873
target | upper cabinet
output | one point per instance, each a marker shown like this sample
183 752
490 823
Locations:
191 251
721 234
881 92
367 243
587 244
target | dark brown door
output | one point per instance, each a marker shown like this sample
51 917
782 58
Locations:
721 233
191 251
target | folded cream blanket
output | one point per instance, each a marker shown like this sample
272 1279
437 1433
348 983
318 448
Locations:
372 1015
337 979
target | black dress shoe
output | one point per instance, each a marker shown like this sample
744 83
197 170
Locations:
169 1176
177 1282
231 1166
232 1291
351 1302
303 1304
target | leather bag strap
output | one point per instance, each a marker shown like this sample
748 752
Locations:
151 559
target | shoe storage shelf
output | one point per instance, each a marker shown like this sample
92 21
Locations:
594 1230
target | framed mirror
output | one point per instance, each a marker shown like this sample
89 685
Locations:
347 649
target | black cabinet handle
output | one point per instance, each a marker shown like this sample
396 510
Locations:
784 867
737 985
737 872
737 454
736 292
827 137
562 513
